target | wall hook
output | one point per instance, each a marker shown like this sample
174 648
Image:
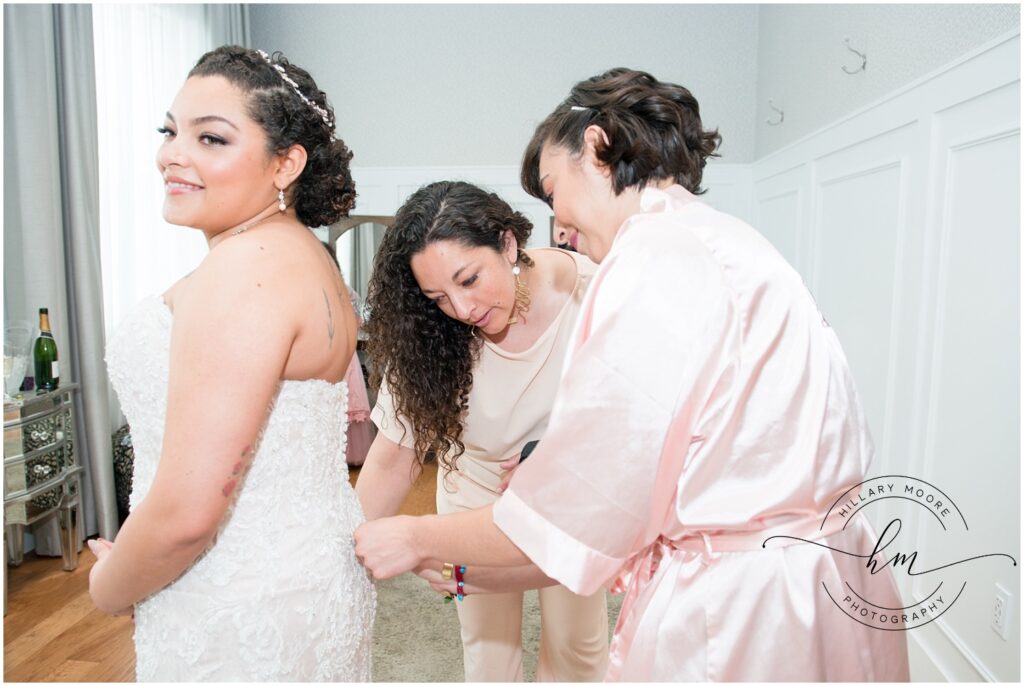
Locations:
862 56
782 115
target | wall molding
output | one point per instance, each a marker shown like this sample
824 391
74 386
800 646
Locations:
943 658
963 113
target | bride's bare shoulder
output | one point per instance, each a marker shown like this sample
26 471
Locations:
244 269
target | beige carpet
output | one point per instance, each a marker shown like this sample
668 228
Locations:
416 637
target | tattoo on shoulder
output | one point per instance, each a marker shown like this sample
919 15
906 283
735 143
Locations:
330 319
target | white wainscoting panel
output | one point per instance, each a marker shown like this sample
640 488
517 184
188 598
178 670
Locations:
854 277
859 193
778 214
973 425
904 219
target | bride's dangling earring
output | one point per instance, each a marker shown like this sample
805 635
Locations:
522 299
280 200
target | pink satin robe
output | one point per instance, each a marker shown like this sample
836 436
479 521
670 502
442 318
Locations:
705 405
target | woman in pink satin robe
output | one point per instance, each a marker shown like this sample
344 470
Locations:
705 407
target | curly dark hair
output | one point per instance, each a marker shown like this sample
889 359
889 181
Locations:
653 127
324 192
426 357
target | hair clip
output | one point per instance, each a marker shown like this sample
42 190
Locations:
579 108
295 87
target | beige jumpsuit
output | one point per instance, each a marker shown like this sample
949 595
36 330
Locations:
509 405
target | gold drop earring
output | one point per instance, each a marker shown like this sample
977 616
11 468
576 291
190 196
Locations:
522 300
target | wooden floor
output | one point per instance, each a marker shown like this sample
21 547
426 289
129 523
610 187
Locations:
52 632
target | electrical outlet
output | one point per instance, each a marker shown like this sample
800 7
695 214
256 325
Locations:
1001 612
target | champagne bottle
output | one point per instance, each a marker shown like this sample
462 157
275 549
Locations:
47 367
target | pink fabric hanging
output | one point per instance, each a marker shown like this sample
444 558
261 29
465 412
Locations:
360 428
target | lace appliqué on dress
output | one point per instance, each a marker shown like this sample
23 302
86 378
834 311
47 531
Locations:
279 595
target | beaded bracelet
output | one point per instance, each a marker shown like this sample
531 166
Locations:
459 570
459 583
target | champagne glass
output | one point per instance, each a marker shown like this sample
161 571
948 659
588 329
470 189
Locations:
17 351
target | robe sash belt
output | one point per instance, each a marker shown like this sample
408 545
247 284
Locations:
642 567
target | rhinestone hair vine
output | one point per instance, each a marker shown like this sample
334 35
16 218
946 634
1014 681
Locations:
295 87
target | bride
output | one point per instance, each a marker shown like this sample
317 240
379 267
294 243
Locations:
237 558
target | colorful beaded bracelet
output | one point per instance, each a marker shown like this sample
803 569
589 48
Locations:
460 583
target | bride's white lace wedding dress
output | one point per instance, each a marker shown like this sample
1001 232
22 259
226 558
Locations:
279 595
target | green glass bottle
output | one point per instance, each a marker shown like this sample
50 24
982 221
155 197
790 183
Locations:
47 367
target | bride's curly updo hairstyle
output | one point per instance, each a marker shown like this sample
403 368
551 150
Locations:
425 356
653 127
286 102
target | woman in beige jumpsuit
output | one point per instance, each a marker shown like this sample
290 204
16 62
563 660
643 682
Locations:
467 334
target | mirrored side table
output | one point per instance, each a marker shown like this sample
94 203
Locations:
42 477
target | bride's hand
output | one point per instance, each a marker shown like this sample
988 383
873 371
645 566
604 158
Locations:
101 547
387 547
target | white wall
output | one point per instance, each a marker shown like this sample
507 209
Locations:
801 54
425 85
400 74
905 223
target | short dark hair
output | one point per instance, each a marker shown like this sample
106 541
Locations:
654 131
324 192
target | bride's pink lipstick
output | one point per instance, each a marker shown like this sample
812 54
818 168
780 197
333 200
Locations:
174 185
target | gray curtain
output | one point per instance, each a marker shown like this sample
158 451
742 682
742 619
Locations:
51 220
227 25
366 238
79 167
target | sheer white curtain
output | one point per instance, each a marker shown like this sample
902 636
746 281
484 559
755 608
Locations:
143 53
